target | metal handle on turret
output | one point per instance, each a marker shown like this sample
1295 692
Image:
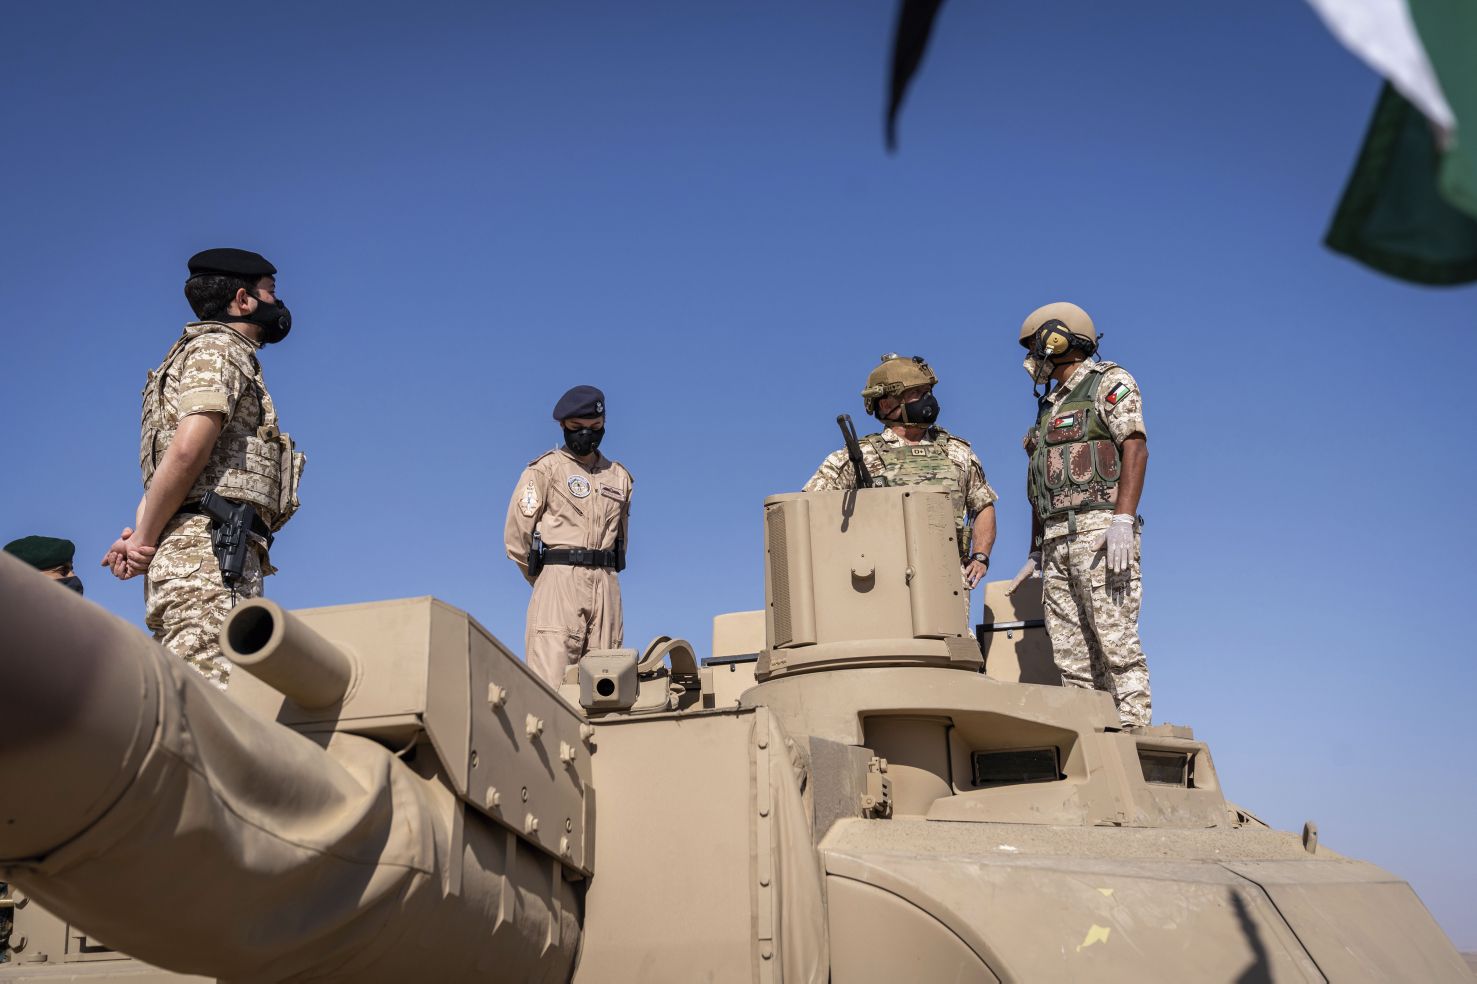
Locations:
280 650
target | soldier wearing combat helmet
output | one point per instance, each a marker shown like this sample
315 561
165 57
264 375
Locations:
1088 454
211 438
567 529
911 449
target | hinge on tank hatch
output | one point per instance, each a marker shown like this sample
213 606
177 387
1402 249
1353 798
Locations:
877 800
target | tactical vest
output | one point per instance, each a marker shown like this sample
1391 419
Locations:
259 467
1075 463
925 464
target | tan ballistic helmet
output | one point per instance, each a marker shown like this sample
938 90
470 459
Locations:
1078 322
894 374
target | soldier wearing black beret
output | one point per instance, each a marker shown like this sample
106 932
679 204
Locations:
567 529
214 460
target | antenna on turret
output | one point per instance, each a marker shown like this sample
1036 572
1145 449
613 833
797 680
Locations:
854 451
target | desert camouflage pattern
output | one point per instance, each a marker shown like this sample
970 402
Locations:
185 600
214 369
573 610
1123 418
971 492
1092 616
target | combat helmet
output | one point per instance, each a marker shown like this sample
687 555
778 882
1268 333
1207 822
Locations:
1054 328
894 374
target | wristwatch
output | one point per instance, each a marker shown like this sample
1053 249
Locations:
983 558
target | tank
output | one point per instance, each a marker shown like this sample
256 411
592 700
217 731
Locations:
854 786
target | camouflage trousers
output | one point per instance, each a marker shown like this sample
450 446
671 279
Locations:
185 600
1092 617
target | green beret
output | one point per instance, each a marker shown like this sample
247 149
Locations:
42 552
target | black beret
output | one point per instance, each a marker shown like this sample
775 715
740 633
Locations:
42 552
241 263
582 401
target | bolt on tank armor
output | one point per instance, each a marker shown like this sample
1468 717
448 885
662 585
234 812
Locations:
894 374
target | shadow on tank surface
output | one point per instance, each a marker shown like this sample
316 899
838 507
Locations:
850 789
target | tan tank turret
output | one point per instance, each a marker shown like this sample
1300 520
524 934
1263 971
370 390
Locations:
850 789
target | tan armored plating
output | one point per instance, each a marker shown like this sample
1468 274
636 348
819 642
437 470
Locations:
573 609
388 794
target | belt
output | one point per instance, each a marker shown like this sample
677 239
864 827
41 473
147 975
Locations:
580 557
258 527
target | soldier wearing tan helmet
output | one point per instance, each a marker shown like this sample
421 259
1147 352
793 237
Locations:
567 528
911 449
1088 455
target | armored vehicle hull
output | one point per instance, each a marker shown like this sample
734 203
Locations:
852 789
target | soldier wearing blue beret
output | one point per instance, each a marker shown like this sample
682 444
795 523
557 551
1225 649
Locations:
567 529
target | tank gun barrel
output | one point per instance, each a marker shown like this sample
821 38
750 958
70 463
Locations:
169 821
76 700
280 650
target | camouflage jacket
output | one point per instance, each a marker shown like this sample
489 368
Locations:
212 368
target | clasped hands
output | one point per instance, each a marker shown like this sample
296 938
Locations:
128 557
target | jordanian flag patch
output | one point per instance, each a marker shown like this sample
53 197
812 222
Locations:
1119 393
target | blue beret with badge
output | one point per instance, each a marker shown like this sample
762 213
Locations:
580 401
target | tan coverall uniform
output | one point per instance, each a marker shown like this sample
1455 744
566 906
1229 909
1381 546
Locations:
574 609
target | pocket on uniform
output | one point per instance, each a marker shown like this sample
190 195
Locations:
1066 427
1079 464
173 565
1056 468
1105 456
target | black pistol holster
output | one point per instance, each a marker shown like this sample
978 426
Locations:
536 555
231 525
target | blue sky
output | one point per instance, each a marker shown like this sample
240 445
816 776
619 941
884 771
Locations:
476 206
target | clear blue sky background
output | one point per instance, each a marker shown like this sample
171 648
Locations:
476 206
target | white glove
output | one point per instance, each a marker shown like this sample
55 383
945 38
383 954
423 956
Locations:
1117 539
1031 568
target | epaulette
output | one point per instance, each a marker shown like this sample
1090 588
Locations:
237 348
952 437
542 457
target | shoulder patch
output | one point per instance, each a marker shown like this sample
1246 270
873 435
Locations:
1118 394
528 499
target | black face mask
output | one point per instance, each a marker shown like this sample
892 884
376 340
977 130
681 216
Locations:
72 581
583 441
924 410
273 318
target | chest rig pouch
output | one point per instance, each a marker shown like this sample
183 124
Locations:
924 464
253 461
1075 463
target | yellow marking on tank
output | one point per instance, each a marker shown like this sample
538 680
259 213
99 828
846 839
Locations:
1106 891
1097 934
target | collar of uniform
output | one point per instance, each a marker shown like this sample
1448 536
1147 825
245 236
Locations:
600 460
202 327
890 436
1067 385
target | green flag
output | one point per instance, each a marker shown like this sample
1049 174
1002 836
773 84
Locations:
1410 207
1392 216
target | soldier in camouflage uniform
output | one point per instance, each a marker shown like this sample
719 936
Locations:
209 425
911 449
1088 455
